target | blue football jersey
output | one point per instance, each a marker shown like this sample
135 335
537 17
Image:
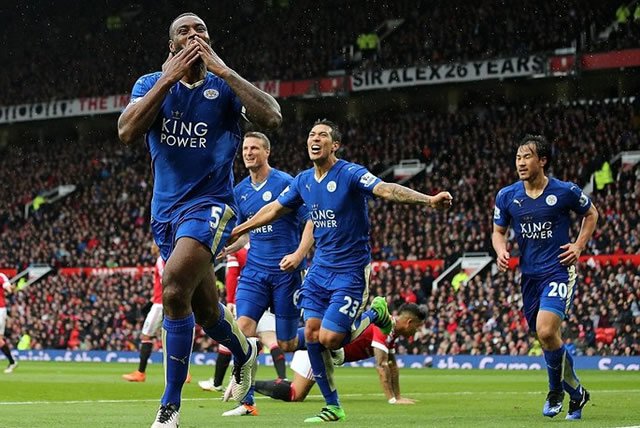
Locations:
192 143
540 225
337 205
271 242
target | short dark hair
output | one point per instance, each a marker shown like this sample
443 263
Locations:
336 135
414 310
259 135
540 144
178 17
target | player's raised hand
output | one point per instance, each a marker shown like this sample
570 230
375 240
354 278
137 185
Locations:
211 59
441 201
503 261
571 254
290 262
177 64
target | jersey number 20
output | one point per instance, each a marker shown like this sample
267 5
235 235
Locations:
558 290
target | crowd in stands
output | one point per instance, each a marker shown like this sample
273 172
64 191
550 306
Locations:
480 317
625 31
105 223
81 312
111 44
483 315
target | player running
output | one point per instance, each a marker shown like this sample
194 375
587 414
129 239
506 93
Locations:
190 113
538 210
335 289
273 273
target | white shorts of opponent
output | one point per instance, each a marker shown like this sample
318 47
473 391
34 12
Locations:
153 321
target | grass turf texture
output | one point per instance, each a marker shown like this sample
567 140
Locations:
46 394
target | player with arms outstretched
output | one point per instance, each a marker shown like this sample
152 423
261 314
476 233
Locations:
538 209
190 113
371 343
335 289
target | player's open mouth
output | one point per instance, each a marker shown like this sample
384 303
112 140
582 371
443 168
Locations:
315 149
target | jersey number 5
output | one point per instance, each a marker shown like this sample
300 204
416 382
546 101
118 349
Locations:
216 213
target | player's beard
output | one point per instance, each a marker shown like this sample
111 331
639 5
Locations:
198 66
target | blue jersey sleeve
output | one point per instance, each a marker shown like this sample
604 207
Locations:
578 200
501 215
303 214
363 180
142 86
290 196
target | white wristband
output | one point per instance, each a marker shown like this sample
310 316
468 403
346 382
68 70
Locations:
392 400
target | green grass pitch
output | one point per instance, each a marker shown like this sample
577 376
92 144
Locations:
46 394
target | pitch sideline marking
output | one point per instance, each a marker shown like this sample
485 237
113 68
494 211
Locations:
27 403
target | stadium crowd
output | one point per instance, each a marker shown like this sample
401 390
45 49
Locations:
105 223
483 315
480 317
432 32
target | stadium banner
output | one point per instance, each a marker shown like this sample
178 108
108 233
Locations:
482 362
105 271
433 264
612 259
502 68
63 108
627 58
309 88
60 109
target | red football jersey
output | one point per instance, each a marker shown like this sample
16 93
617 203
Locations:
362 347
235 263
157 281
3 280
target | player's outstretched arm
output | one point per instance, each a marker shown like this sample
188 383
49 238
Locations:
137 118
262 108
290 262
499 241
267 215
398 193
395 382
237 245
573 250
384 374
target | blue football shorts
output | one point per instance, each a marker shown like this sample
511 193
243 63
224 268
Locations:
338 298
551 292
259 289
209 224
